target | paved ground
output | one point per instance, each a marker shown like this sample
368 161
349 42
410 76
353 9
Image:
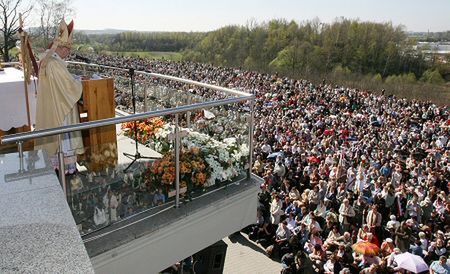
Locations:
246 257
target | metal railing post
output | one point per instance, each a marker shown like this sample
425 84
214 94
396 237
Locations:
177 162
250 138
62 175
145 98
20 149
188 114
188 119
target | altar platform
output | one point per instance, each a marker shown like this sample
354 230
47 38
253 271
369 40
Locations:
13 110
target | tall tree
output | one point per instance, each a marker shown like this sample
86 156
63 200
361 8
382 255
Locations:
9 19
50 14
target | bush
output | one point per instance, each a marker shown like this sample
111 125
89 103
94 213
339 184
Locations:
432 76
377 78
340 70
409 78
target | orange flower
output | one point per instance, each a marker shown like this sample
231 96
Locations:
185 167
167 178
145 128
195 150
200 178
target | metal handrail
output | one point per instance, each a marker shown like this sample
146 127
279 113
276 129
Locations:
167 77
9 63
117 120
20 137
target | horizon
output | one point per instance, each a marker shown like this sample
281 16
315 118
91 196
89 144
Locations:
132 30
204 16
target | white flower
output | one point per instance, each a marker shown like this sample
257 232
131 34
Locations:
230 141
225 158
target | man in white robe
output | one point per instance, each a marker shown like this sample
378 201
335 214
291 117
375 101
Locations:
58 93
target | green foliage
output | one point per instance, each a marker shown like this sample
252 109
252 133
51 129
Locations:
142 41
342 70
432 36
312 46
391 79
406 78
377 78
287 59
345 49
432 76
409 78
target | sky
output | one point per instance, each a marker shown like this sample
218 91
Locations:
206 15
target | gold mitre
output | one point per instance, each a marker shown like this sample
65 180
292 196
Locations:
62 39
65 34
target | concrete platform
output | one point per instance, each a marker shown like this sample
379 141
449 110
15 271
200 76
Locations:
37 230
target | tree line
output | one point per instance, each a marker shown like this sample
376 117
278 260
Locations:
380 50
144 41
313 47
443 36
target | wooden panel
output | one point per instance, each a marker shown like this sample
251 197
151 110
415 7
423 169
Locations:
101 143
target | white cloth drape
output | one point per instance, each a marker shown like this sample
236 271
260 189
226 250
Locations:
58 93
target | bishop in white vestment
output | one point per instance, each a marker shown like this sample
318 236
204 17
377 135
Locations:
58 93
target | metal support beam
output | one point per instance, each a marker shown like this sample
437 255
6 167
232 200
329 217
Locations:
177 162
250 137
62 173
145 98
20 149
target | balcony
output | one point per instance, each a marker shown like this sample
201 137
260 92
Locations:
141 206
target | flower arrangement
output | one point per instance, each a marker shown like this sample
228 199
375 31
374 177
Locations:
222 160
193 169
146 129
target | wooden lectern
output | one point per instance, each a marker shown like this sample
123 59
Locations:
100 143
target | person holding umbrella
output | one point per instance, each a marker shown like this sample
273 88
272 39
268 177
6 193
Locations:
368 252
410 262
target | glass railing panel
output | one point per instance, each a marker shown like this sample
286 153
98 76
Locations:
159 173
105 186
214 148
151 93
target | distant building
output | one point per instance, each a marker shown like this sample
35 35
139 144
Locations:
438 50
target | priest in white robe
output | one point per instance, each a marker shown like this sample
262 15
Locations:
58 93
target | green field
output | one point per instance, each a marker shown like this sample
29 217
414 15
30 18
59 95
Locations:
167 55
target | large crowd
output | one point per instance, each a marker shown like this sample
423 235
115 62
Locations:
340 166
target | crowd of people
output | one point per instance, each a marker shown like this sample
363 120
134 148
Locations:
340 166
343 166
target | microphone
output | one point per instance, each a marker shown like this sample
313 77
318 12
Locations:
82 58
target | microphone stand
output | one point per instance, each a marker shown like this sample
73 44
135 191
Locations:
137 155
